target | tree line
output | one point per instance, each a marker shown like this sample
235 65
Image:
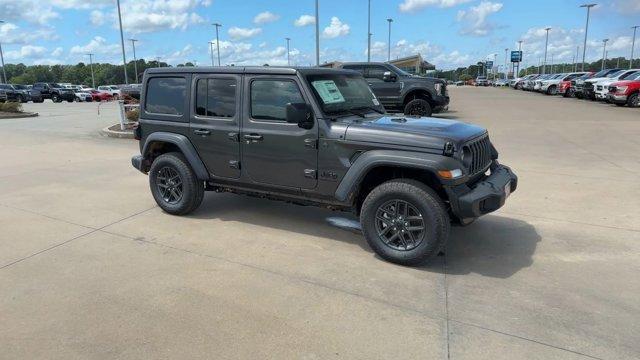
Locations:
79 74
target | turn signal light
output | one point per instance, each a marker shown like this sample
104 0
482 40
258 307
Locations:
450 174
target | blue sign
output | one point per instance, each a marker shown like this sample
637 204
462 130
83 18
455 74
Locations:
489 64
516 56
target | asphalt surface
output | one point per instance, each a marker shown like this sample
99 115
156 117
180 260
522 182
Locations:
91 268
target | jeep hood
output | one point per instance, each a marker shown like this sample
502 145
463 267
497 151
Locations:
425 132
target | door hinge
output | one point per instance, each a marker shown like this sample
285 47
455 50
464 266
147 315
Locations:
234 164
311 143
310 173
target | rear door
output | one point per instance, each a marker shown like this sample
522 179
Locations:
275 152
215 123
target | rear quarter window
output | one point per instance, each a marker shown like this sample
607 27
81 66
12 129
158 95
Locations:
166 95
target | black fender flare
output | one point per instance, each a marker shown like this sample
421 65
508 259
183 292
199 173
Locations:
398 158
414 88
185 146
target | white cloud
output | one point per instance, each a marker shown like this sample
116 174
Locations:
33 11
305 20
97 17
336 29
265 17
97 45
410 6
26 52
237 33
474 19
140 16
180 56
430 52
242 53
12 34
80 4
57 52
626 7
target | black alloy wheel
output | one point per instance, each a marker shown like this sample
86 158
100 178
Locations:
169 184
400 225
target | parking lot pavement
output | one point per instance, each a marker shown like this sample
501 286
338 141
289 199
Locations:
91 268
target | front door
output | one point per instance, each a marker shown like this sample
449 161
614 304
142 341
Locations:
273 151
215 123
387 92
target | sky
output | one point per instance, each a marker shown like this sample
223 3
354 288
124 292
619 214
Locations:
447 33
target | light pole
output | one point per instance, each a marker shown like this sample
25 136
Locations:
546 45
604 52
288 52
124 58
575 59
518 63
506 74
317 35
135 61
217 40
4 74
369 33
586 30
158 61
633 44
390 20
211 48
93 80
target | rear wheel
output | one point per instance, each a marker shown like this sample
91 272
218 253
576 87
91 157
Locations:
55 98
634 100
418 107
174 184
405 222
552 90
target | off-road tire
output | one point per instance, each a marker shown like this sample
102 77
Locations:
192 187
426 201
418 107
634 100
55 98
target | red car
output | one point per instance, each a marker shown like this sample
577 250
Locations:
625 92
100 96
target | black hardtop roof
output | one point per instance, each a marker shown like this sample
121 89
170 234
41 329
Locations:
266 70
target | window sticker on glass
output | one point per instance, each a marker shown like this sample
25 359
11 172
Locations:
328 91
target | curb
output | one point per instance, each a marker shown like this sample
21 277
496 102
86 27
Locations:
19 115
117 133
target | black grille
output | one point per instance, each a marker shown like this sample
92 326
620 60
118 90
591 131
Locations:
480 150
613 89
588 86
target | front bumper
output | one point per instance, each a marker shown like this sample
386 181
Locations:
488 195
138 162
617 98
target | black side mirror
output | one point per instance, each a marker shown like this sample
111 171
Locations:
388 76
301 114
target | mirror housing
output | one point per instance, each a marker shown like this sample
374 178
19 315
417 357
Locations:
388 76
301 114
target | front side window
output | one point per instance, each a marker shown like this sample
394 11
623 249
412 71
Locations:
166 95
216 97
341 93
269 98
376 72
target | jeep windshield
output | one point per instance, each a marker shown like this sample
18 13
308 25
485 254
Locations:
343 94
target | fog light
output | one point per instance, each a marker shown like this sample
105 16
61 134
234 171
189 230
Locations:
450 174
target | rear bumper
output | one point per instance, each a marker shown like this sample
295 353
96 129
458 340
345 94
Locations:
483 197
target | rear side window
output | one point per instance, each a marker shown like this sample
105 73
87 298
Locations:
358 68
269 98
216 97
166 95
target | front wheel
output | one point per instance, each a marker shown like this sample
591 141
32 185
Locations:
405 222
418 107
552 90
634 100
55 98
174 184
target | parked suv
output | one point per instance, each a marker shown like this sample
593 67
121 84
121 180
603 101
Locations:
316 136
53 91
398 90
10 93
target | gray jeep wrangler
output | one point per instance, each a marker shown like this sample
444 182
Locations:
315 136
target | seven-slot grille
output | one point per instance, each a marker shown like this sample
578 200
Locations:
480 150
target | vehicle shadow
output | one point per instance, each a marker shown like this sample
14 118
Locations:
308 220
494 246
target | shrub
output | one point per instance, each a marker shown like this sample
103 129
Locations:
13 107
133 115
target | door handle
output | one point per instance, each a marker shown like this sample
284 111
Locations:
253 137
202 132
